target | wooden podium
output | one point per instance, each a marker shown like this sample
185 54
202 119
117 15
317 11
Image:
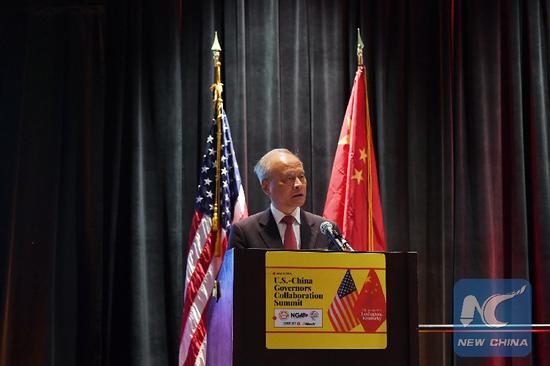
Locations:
237 325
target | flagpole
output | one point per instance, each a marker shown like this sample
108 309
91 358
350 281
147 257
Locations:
217 89
370 223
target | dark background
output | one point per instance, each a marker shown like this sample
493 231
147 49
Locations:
104 108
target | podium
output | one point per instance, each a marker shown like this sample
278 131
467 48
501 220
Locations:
237 317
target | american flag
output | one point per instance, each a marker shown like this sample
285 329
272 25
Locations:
340 311
202 264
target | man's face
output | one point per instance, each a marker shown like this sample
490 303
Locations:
286 184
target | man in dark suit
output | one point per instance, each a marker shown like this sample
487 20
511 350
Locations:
284 224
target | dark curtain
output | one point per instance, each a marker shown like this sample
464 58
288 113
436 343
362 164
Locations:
52 178
92 195
500 155
105 108
145 183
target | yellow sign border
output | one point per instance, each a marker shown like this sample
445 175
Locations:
309 274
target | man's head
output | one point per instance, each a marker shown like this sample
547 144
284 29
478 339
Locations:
283 179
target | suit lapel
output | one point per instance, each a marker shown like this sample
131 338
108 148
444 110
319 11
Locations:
269 231
308 235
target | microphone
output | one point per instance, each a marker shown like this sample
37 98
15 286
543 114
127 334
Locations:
334 236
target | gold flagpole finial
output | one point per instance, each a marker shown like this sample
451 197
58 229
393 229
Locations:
216 52
360 47
216 48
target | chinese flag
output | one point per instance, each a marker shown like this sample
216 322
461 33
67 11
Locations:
353 197
370 307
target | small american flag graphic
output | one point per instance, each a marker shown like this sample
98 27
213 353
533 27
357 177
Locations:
340 312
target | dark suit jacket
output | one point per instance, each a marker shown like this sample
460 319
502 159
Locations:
260 231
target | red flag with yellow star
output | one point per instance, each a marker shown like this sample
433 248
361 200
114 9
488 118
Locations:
353 197
370 307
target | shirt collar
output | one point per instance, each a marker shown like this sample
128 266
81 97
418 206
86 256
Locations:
278 215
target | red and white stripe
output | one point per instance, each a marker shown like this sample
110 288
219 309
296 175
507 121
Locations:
241 211
341 313
202 269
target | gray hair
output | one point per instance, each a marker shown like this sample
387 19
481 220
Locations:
263 166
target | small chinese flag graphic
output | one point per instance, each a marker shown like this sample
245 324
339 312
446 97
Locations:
370 307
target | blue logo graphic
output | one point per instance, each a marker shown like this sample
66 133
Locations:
492 318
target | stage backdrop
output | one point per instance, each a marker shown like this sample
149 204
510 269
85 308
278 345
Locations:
105 107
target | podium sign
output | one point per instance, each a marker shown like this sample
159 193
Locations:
320 301
356 321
